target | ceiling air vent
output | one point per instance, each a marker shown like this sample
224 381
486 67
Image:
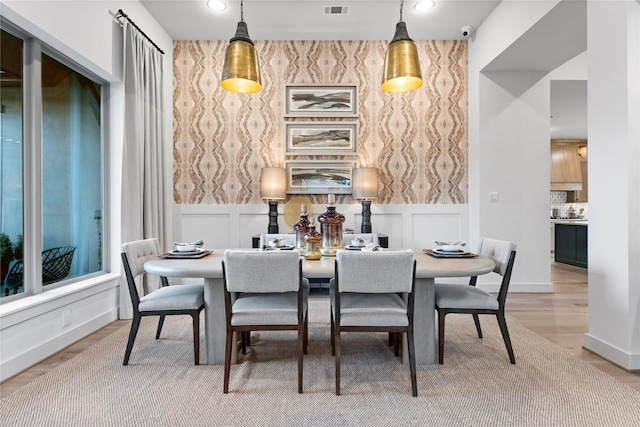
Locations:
336 10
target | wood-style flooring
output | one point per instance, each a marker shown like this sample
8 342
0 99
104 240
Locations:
560 317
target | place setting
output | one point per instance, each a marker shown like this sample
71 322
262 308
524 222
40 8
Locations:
449 250
187 251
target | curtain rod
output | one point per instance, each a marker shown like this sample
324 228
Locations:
121 14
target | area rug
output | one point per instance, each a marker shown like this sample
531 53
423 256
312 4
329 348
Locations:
476 386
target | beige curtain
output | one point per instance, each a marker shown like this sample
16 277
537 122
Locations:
143 180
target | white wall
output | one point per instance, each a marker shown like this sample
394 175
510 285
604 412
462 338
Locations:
508 144
614 181
85 31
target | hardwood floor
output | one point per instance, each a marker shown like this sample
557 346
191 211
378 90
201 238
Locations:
561 317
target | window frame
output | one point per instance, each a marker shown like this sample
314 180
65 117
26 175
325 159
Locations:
32 228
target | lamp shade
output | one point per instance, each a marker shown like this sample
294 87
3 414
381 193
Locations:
241 71
273 183
401 71
365 183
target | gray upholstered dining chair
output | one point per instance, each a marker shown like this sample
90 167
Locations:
264 291
452 298
165 301
373 292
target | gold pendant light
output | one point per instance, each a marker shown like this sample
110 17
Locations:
401 65
241 72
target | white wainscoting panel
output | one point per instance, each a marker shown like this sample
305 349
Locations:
407 226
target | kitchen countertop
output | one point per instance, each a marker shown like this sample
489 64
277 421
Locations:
582 221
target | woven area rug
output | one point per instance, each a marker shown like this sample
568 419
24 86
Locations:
476 386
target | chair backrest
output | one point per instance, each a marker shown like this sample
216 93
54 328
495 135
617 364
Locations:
288 239
503 254
260 272
134 255
139 252
375 272
499 251
56 264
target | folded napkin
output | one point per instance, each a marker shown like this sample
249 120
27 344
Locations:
370 247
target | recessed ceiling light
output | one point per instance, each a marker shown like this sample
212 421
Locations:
217 5
423 6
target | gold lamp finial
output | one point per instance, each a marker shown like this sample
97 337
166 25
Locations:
401 64
241 71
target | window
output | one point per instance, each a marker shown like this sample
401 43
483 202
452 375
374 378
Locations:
51 137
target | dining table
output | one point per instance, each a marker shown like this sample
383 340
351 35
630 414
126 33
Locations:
428 268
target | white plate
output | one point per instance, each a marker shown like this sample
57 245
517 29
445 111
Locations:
353 248
285 247
455 251
177 252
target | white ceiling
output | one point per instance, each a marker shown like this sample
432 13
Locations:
376 20
305 19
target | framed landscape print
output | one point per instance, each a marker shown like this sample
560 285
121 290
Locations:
319 177
321 138
316 100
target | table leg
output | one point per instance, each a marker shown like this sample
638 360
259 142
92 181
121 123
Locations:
215 320
424 325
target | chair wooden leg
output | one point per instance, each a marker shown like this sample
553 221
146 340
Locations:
160 323
476 320
244 336
333 336
135 324
397 343
412 362
227 360
505 335
441 315
195 315
337 353
301 346
306 331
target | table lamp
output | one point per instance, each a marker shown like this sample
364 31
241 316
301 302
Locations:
365 188
273 187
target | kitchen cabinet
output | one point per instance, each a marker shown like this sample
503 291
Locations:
581 196
565 165
571 244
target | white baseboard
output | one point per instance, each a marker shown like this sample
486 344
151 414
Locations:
615 355
44 349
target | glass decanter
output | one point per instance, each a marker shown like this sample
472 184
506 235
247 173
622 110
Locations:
331 228
312 240
301 228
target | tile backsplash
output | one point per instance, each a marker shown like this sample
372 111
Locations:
559 200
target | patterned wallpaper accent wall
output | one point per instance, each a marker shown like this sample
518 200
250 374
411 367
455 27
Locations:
418 139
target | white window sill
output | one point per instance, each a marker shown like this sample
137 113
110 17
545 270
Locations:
72 292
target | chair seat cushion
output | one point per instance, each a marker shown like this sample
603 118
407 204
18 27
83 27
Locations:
362 309
267 309
174 297
464 296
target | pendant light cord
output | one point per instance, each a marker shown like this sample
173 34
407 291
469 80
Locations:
401 6
242 10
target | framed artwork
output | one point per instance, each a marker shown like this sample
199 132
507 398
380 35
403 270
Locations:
321 138
316 100
319 177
